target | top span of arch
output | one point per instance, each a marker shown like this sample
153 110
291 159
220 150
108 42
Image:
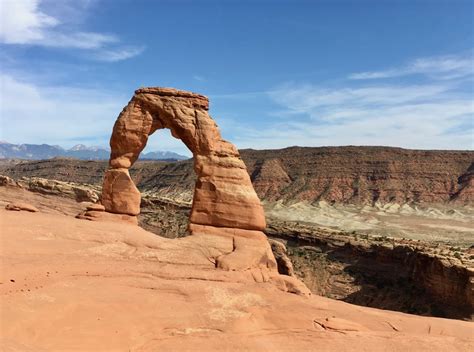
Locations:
197 100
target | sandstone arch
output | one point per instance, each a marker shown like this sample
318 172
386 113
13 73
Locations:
224 196
227 217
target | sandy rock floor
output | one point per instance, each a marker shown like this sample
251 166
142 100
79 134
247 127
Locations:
73 285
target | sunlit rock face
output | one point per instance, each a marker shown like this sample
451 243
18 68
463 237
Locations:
224 195
224 204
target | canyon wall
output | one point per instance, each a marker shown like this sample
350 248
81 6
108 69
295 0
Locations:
359 175
381 272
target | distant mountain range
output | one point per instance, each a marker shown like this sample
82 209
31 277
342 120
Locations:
79 151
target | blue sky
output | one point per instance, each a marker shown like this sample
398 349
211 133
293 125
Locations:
278 73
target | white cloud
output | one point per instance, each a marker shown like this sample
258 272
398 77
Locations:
309 98
78 40
436 115
36 113
441 67
25 23
55 115
118 54
199 78
427 113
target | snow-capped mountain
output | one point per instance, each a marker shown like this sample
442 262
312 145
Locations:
82 147
79 151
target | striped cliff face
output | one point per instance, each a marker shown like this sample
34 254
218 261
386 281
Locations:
350 175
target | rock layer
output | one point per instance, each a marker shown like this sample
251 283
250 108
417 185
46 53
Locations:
351 175
362 175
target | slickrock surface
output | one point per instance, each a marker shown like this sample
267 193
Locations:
78 192
68 284
416 277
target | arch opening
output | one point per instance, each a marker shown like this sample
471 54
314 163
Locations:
165 207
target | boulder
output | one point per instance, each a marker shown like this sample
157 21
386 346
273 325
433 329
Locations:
285 266
7 181
100 215
19 206
96 207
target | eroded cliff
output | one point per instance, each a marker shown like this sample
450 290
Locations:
352 175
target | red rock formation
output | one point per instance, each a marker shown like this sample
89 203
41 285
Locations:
362 175
465 193
224 204
223 197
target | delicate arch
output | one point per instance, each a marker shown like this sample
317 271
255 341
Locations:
223 197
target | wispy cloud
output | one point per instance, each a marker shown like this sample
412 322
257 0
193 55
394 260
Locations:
240 95
441 67
55 114
315 101
78 40
114 55
199 78
428 113
24 22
